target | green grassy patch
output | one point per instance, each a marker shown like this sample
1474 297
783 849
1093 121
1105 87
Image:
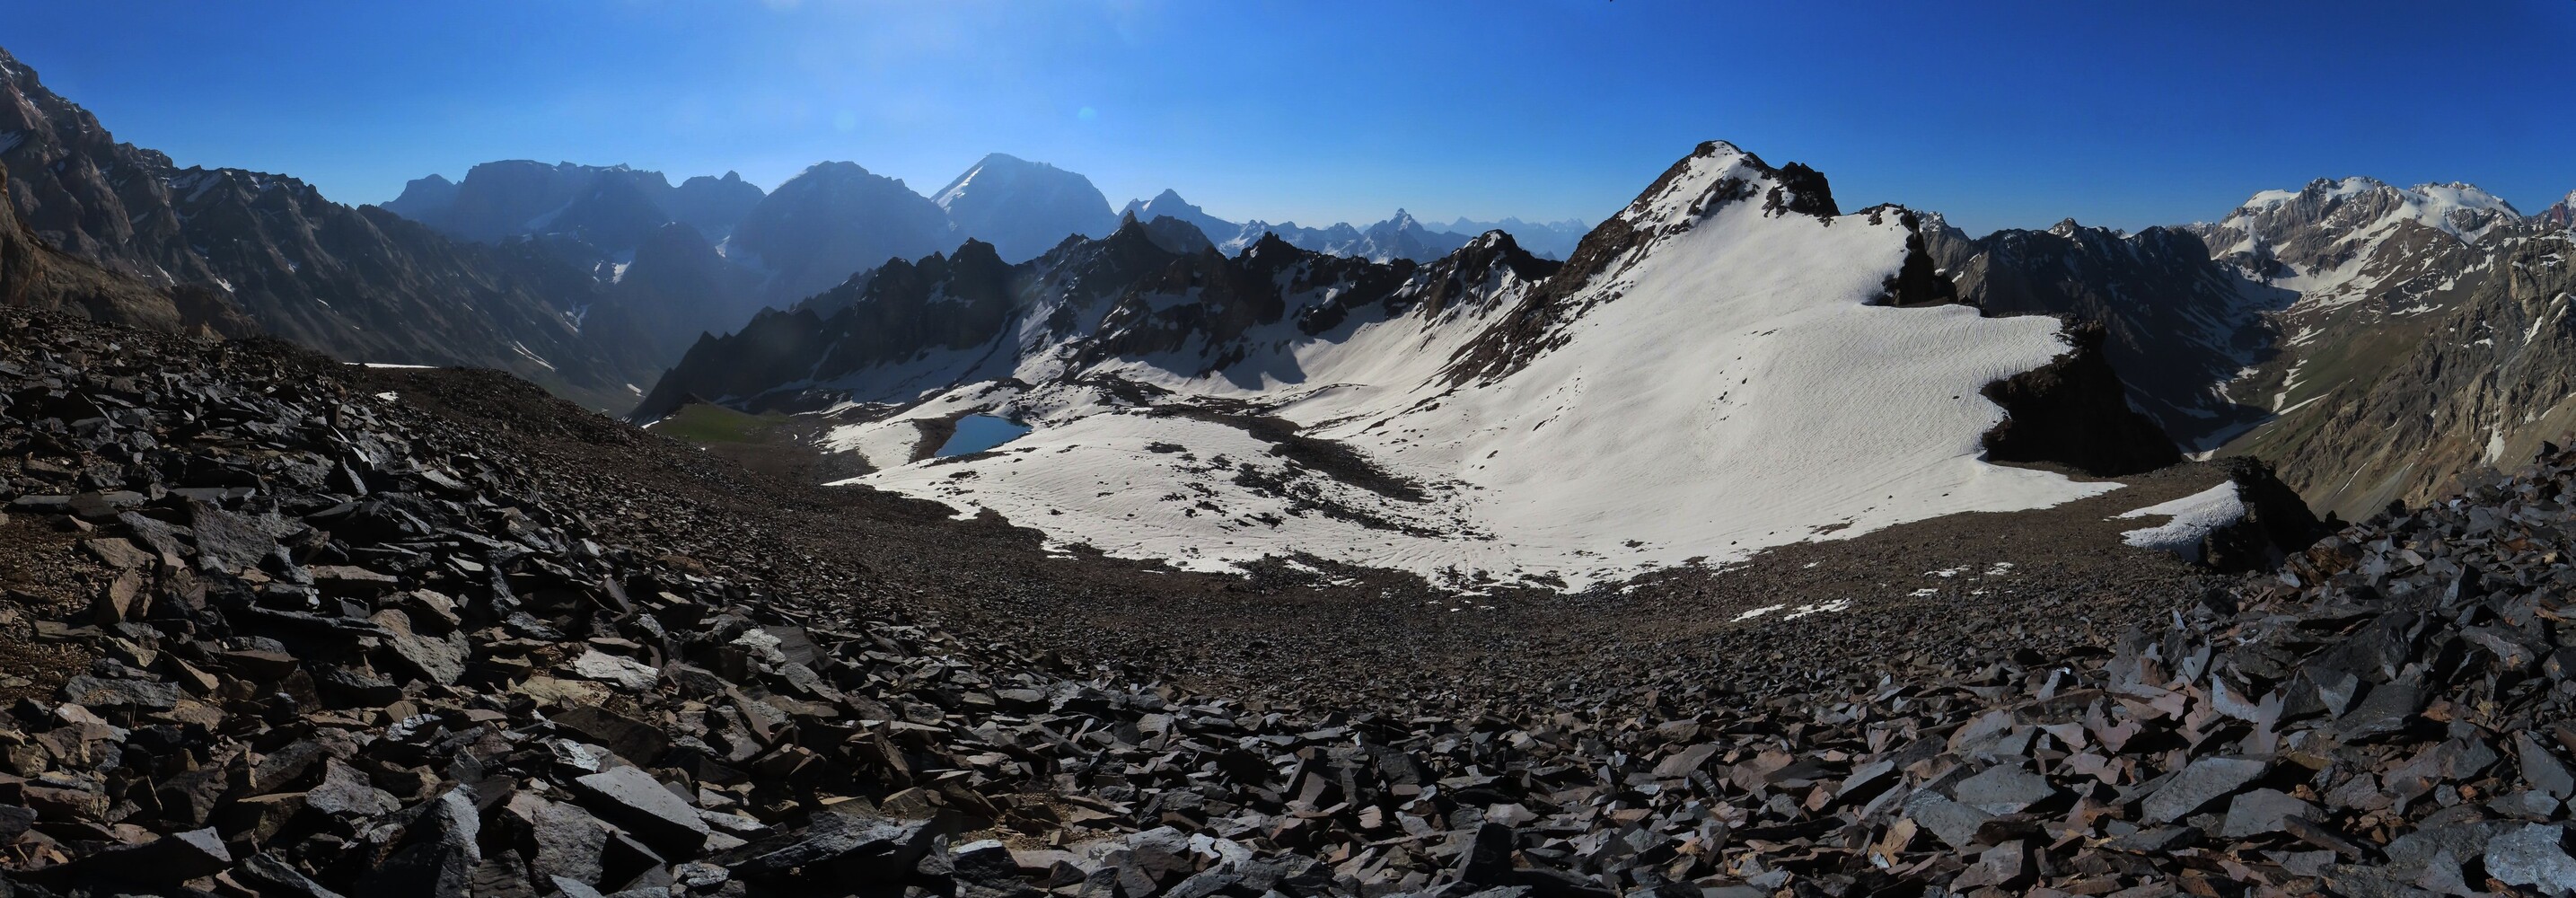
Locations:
704 424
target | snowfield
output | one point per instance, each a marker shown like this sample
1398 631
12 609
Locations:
1726 387
2189 520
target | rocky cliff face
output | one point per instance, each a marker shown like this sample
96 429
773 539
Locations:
2479 378
2375 343
2372 393
2176 325
957 312
35 275
361 284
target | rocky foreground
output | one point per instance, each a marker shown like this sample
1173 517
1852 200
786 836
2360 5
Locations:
270 633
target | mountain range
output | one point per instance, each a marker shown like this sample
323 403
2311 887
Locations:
818 229
2373 343
1686 388
1000 543
588 280
2376 344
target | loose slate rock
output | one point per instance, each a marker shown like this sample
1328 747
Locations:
625 672
1950 821
345 793
95 692
173 858
842 847
2541 768
2532 855
2388 710
2261 812
2197 785
633 799
2003 789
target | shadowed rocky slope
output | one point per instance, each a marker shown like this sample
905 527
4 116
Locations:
277 630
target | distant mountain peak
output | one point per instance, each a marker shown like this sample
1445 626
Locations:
836 168
2562 213
1023 207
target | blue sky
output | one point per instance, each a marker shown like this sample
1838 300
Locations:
1999 114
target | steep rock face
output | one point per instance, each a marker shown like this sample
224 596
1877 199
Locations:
2387 282
35 275
610 208
646 246
2477 381
1174 235
2177 326
78 189
832 221
951 314
1024 208
361 284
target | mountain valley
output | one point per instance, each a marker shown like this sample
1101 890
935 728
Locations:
562 530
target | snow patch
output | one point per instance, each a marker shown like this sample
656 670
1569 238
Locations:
2190 519
1726 387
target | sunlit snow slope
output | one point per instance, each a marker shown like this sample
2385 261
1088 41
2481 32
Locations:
1713 373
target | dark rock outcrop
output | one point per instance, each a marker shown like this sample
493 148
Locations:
2073 412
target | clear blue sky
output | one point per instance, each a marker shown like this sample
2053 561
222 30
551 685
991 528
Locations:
2000 114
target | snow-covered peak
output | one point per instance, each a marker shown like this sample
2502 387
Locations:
2363 204
1718 173
1683 193
994 167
